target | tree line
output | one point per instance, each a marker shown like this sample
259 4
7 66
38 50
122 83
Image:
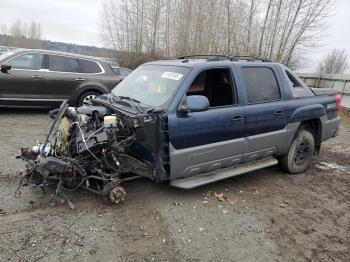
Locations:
281 30
25 35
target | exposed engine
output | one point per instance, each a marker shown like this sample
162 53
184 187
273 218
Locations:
86 147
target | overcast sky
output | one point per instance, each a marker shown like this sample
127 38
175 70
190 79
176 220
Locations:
73 21
76 21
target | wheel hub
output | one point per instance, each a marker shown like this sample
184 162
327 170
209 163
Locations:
302 153
117 195
88 98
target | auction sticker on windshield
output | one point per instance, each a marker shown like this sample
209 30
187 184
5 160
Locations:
172 75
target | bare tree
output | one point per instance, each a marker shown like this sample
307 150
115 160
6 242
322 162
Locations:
282 30
23 34
335 62
3 29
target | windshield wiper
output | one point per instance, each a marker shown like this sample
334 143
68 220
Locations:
133 102
129 98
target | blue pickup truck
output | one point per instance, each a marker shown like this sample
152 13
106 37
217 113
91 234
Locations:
188 122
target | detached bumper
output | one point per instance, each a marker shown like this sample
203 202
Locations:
330 128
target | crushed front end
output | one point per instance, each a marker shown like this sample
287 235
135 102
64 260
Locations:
97 147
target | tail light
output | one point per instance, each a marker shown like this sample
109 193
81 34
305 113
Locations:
338 101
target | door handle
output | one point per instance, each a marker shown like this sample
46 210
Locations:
37 77
237 118
80 79
279 113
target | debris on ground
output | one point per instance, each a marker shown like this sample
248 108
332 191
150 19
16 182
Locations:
220 197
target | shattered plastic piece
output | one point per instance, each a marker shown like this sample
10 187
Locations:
231 202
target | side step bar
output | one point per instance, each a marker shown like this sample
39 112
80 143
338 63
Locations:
206 178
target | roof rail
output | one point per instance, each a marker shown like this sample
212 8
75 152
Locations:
207 56
216 57
249 58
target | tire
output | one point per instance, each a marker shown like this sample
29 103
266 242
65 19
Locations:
84 97
300 154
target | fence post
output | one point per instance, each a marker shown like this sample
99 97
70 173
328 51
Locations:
342 91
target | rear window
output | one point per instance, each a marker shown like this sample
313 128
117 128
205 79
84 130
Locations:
261 85
292 81
87 66
63 64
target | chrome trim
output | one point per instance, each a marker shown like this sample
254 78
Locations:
30 99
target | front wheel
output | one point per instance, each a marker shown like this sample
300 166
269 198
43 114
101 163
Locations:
85 97
300 154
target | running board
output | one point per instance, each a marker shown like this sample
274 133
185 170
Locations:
206 178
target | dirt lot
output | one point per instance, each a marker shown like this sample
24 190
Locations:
265 216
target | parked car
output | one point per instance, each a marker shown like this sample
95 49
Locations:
188 122
3 50
46 78
121 71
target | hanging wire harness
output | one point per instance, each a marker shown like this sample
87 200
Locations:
86 150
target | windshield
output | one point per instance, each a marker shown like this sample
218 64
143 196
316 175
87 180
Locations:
5 55
151 85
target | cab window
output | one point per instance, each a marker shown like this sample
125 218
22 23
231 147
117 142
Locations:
215 84
261 85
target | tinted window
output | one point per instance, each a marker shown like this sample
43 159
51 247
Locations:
261 84
124 72
86 66
216 85
63 64
292 80
26 61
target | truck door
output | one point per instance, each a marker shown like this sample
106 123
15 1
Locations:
206 141
265 112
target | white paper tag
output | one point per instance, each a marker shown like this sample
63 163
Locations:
172 75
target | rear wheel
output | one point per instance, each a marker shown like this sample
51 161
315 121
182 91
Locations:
85 97
300 154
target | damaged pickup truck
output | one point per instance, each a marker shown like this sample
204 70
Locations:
187 122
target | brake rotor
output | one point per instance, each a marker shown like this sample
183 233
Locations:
117 195
113 193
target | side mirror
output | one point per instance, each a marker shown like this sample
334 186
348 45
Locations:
195 103
4 68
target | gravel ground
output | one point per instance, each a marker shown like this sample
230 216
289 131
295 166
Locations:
262 216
